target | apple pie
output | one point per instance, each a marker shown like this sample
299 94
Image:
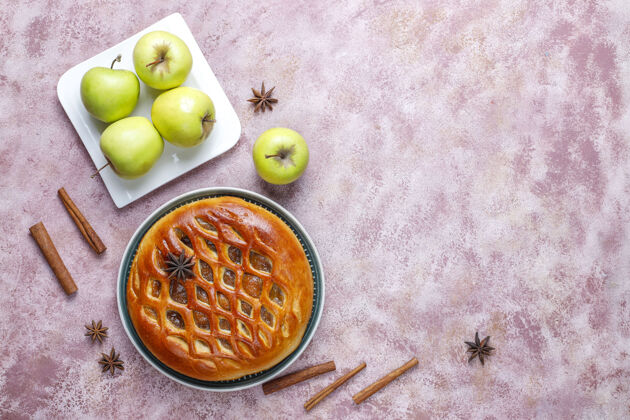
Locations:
220 288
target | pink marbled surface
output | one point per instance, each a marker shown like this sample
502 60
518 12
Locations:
469 171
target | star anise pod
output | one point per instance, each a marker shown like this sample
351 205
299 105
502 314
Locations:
96 331
262 99
111 362
179 267
479 348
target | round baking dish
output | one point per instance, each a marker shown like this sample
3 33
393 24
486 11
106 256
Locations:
311 254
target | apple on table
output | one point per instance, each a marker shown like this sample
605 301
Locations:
280 155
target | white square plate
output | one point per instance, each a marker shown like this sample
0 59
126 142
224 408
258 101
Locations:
175 161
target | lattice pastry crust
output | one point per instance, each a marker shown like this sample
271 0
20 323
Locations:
247 303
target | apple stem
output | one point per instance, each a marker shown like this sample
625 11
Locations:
206 119
276 155
99 170
115 59
160 60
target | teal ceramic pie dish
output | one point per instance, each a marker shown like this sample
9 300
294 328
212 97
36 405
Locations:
254 198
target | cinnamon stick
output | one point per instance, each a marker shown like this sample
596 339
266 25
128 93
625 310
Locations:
84 226
381 383
39 233
295 377
330 388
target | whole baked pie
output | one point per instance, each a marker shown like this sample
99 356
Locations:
220 288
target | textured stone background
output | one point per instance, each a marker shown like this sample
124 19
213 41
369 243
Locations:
469 171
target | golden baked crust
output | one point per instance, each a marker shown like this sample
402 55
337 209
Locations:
247 304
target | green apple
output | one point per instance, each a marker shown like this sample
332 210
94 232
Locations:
131 146
162 60
184 116
280 155
108 94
